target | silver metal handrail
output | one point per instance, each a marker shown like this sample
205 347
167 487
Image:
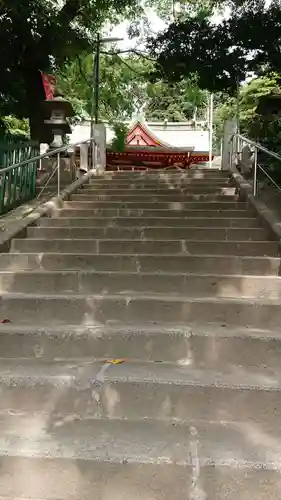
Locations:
236 141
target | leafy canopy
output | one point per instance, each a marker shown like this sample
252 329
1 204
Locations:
125 90
42 35
222 55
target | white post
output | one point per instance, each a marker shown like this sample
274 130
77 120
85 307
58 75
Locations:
211 105
230 127
84 157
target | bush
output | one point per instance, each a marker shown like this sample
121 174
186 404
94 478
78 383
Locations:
119 141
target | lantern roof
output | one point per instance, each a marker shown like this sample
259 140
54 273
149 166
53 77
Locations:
59 103
269 105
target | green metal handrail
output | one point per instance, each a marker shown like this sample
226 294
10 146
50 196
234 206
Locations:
14 153
18 181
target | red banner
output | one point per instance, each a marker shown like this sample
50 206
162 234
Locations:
49 83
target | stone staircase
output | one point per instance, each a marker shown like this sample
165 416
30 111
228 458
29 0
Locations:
173 275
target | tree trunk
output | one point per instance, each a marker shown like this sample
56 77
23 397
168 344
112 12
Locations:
35 96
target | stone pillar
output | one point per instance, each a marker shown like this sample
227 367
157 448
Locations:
84 157
230 127
100 138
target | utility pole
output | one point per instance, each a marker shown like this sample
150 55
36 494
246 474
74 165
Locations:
238 107
96 80
237 140
95 87
211 106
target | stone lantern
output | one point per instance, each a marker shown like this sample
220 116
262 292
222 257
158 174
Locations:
58 169
269 106
57 111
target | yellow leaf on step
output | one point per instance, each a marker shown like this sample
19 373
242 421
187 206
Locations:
115 361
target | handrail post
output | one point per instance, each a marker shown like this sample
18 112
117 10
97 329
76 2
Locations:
231 152
93 153
58 167
255 186
238 150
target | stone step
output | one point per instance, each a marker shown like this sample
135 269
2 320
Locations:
199 264
154 184
205 345
149 233
77 309
168 174
140 197
76 478
126 176
136 391
175 206
143 221
151 214
143 247
117 460
160 191
112 282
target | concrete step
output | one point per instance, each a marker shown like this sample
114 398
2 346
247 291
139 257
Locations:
154 184
137 391
203 345
161 174
117 460
151 214
112 282
198 264
160 191
141 197
175 206
143 221
142 247
194 409
74 478
149 233
77 309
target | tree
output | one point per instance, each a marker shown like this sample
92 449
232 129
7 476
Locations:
222 55
179 9
263 129
252 125
40 35
175 102
122 85
125 89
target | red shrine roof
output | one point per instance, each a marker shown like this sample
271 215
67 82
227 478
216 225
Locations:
145 150
141 135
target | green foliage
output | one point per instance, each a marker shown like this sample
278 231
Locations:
125 89
42 35
175 102
222 55
180 9
121 85
13 129
119 140
251 124
266 130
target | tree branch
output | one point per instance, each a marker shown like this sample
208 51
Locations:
70 11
